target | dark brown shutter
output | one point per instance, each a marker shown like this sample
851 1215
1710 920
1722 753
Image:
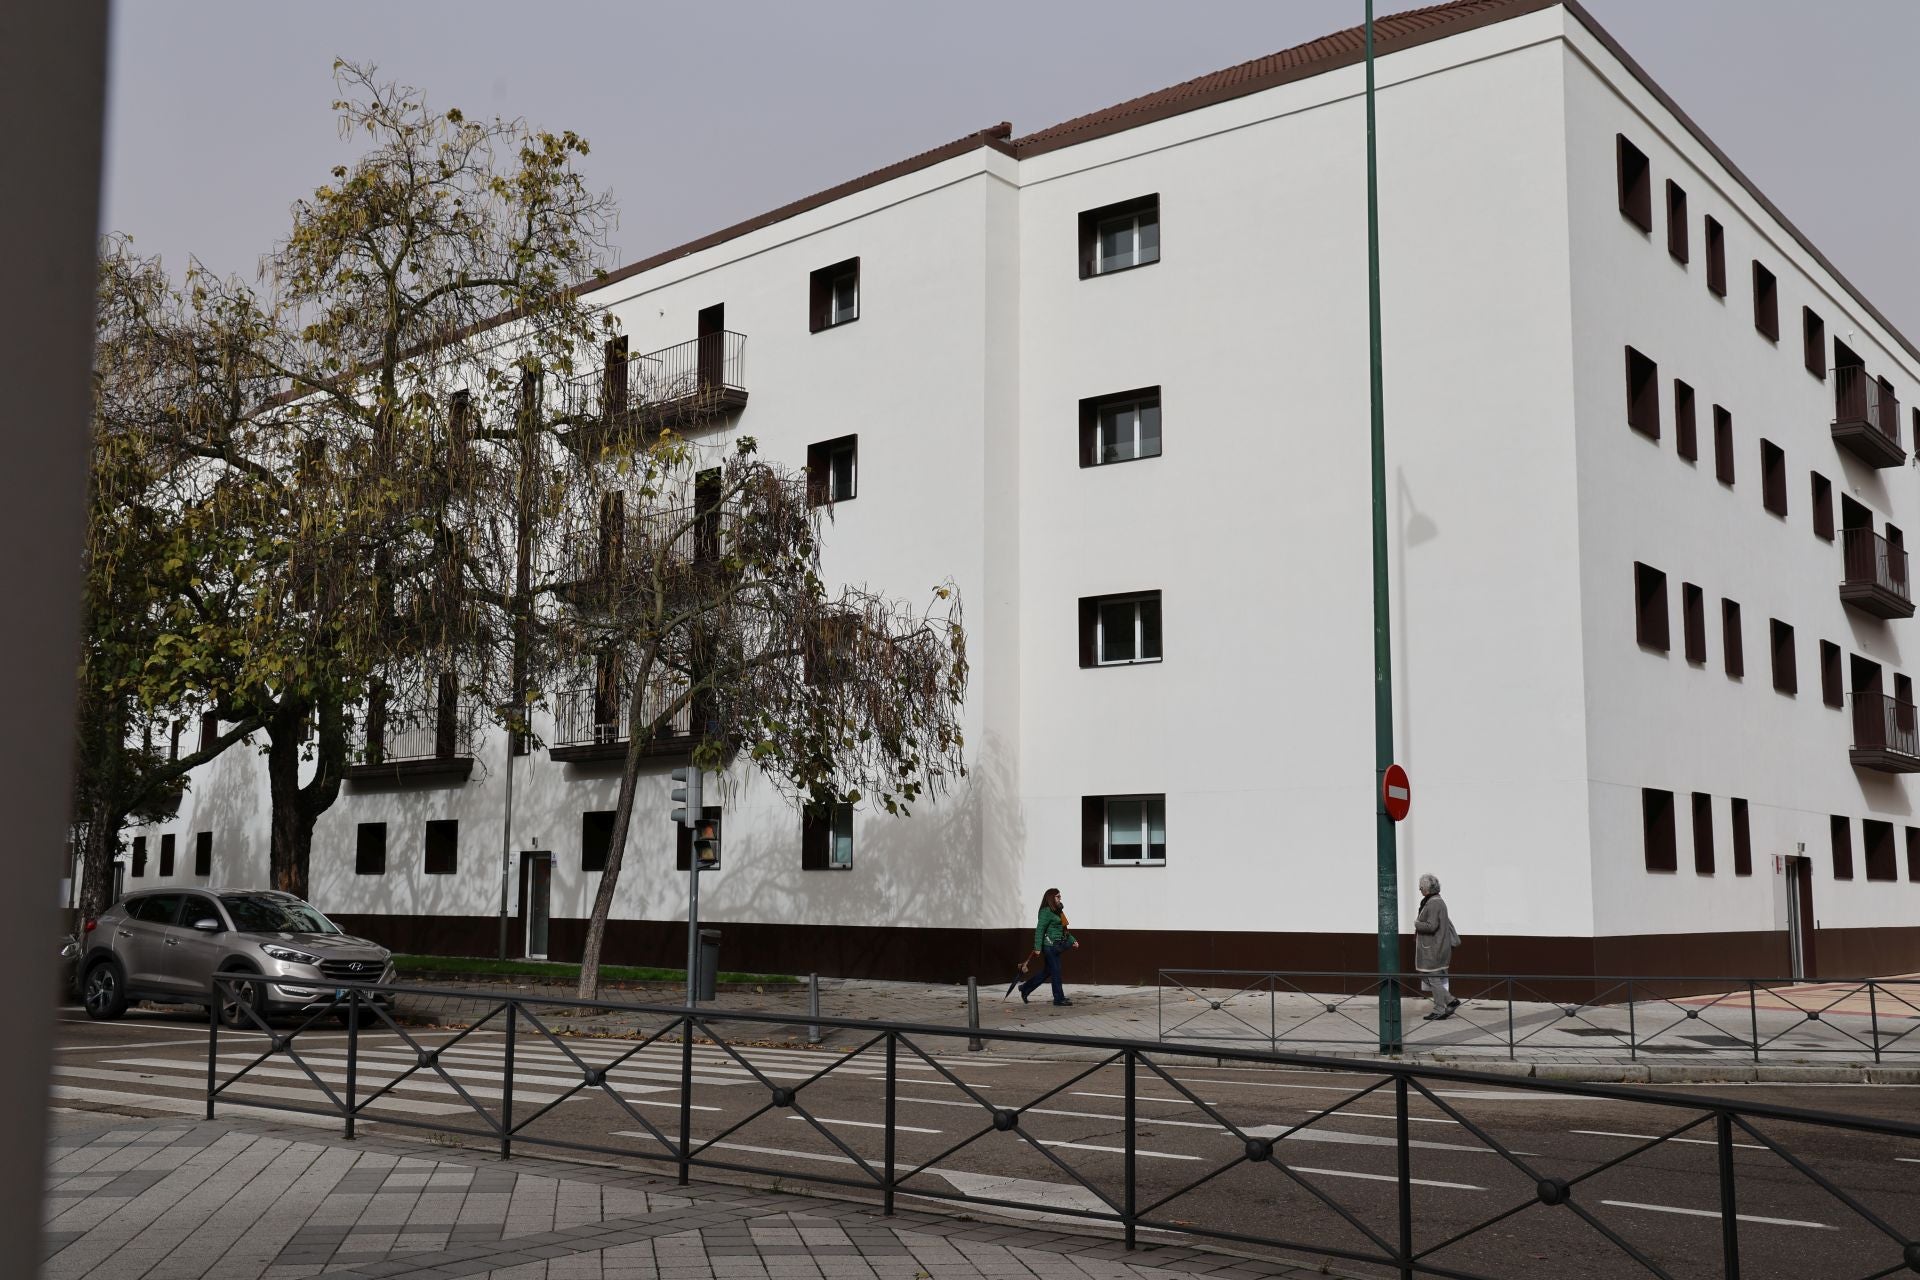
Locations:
1716 258
446 726
1676 221
1092 825
1742 840
1822 506
1089 432
209 729
813 839
1730 634
1088 609
819 290
1842 829
1686 439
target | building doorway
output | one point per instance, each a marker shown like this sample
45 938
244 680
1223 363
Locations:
1800 960
537 872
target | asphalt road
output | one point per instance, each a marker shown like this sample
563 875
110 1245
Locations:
1331 1179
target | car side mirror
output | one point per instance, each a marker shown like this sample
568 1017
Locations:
207 924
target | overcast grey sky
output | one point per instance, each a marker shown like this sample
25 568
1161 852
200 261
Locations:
703 114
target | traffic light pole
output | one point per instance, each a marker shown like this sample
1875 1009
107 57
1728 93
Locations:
1386 851
693 925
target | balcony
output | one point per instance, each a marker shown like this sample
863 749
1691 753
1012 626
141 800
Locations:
1886 736
435 745
633 552
1866 417
1876 575
682 386
590 725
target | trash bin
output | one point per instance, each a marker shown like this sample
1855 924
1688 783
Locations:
709 969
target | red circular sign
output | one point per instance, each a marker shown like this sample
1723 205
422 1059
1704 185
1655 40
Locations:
1396 793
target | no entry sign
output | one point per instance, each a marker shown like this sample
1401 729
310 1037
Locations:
1396 793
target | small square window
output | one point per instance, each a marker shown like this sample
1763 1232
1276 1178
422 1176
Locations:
370 849
1876 842
1686 440
833 470
1676 221
1123 831
1722 445
166 855
1716 257
1702 833
1840 831
1120 236
1650 607
1636 184
442 846
1121 630
1732 644
203 854
1656 830
1123 427
1822 506
833 295
1742 840
596 838
1813 337
1773 478
1786 676
1693 621
1643 395
826 838
1766 303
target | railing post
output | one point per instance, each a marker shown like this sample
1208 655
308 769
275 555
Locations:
1273 1014
213 1044
1403 1155
886 1192
1633 1032
1729 1219
974 1043
1753 1016
1127 1217
1510 1046
353 1056
1873 1019
813 1008
506 1088
686 1099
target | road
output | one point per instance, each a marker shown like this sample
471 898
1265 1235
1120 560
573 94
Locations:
1331 1180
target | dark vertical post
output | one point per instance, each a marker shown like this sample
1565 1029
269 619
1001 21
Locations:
1510 1053
1386 852
353 1057
1753 1017
1729 1219
686 1091
1873 1018
1633 1043
1128 1224
506 1088
213 1045
886 1192
1403 1168
974 1043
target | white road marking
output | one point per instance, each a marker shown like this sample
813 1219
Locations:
368 1082
184 1106
122 1048
1121 1097
1078 1115
1359 1139
1714 1213
1907 1159
869 1124
1138 1151
1385 1177
1648 1137
1480 1094
199 1084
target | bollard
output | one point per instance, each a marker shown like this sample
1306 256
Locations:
813 1008
974 1043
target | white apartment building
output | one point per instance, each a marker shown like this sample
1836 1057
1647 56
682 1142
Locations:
1647 473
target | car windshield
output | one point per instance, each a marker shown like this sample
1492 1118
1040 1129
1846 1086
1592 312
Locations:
271 913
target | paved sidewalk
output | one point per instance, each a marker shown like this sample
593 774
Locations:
240 1200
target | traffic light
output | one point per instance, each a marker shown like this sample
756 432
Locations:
706 843
686 794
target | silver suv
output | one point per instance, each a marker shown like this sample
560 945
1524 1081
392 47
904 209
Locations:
167 945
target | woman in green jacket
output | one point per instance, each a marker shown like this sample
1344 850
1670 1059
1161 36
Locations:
1050 939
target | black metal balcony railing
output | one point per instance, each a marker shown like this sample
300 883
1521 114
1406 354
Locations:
590 723
1875 569
1866 417
434 741
688 381
1886 735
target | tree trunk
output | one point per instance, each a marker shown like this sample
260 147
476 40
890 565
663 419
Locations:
290 839
637 736
97 852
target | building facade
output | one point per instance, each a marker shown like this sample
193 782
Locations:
1647 472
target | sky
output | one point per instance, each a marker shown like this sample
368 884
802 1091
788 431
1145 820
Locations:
701 115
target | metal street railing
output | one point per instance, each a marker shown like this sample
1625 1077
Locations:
1877 1018
504 1075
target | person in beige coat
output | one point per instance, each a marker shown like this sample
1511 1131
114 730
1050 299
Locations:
1433 944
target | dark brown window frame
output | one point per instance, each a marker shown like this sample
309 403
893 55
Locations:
1090 220
1840 836
1723 468
1822 507
1913 853
138 869
1773 478
1766 302
1693 622
1650 624
1732 643
1813 342
1833 685
440 847
1635 177
817 835
1677 222
1702 833
1090 628
1786 667
1878 854
203 853
820 457
1090 409
1686 435
166 855
1716 236
1659 842
370 849
1643 394
596 839
1093 830
820 295
1742 839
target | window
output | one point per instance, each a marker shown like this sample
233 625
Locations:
1636 184
139 856
1123 831
1676 221
203 854
1120 428
1650 607
1822 506
1693 621
833 470
1876 840
1742 840
833 295
1913 853
156 908
1716 257
596 838
173 734
1117 630
829 655
1832 683
209 729
1773 478
1730 640
683 837
1643 395
1120 236
1656 829
166 855
443 846
370 849
1702 833
1766 303
1842 835
1785 678
1685 439
826 838
1813 339
1722 445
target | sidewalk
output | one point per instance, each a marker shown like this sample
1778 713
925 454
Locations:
240 1200
1704 1038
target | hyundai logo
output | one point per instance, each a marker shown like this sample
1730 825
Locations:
361 968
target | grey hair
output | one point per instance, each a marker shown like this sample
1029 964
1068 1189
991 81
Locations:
1429 884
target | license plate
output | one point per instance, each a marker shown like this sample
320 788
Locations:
339 993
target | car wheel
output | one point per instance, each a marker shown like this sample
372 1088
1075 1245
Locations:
104 993
235 1001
